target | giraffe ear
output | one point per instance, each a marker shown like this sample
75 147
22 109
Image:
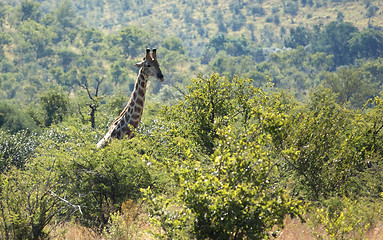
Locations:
139 64
148 54
154 53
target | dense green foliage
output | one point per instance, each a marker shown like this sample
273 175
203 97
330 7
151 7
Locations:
281 120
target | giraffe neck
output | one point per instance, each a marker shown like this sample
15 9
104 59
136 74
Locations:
131 115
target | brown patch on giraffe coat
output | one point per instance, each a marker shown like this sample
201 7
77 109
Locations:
140 102
141 92
143 84
136 116
138 109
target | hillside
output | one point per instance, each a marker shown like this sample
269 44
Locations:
296 45
195 22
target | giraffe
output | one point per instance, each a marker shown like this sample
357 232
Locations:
130 117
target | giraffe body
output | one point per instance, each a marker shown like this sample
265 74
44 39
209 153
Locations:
130 117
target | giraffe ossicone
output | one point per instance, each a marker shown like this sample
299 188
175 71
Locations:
130 117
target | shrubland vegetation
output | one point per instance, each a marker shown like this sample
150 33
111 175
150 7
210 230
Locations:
269 109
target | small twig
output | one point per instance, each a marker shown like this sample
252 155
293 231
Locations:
85 86
178 89
66 201
79 111
99 81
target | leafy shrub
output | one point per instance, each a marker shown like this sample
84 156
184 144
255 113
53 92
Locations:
100 181
343 218
225 191
16 149
211 104
291 8
15 120
55 105
327 153
258 10
30 200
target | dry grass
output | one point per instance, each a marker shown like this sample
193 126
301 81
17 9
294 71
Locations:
74 231
131 223
296 230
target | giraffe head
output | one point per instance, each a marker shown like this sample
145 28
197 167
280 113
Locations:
150 65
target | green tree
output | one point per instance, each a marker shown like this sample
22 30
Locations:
56 106
91 36
371 11
13 120
16 149
66 57
352 86
211 104
100 181
65 15
37 38
291 7
30 10
65 21
173 44
30 201
299 36
133 40
367 44
333 39
371 129
230 198
321 148
119 71
321 61
225 193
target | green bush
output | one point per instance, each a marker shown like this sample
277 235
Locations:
343 218
13 119
100 181
56 106
16 149
31 200
221 163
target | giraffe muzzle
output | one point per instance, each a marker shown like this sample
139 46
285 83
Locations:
160 77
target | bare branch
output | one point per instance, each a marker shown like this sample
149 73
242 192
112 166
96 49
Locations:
178 89
85 86
79 111
99 81
77 207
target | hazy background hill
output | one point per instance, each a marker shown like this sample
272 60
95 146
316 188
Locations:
297 45
195 22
